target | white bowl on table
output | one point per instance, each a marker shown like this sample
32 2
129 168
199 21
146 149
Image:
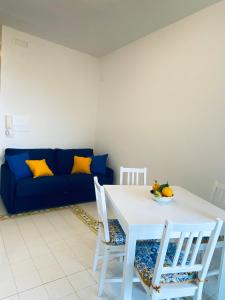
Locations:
162 199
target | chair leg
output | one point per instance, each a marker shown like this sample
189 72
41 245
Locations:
97 251
103 270
198 294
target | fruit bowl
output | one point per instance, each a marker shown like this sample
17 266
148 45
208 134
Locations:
162 193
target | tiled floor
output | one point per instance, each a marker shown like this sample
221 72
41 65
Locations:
49 256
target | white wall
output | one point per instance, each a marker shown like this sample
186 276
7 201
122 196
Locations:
55 87
162 102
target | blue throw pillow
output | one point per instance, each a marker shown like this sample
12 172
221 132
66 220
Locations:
18 165
98 164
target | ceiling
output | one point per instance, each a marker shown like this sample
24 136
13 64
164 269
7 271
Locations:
96 27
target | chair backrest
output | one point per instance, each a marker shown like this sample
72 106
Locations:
218 195
132 175
102 209
187 249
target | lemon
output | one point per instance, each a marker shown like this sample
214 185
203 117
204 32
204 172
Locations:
155 186
167 192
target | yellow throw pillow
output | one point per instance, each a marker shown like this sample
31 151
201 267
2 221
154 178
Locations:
39 168
81 165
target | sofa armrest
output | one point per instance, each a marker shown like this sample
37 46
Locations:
8 186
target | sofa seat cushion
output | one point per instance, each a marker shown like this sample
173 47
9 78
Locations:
79 182
145 261
41 186
65 158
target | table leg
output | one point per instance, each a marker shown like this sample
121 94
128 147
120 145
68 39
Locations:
221 279
128 267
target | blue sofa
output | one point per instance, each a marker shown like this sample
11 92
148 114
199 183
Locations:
29 194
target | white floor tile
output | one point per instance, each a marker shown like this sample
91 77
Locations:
81 280
51 273
7 288
59 289
5 272
44 261
58 246
71 297
28 281
18 254
38 250
70 265
3 258
62 253
113 290
12 298
90 293
22 268
95 275
34 294
86 261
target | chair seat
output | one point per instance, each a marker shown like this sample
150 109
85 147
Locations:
145 260
117 235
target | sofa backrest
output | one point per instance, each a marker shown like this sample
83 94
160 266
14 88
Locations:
60 161
45 153
64 158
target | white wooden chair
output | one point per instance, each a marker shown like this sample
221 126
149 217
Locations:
175 272
133 175
110 240
217 198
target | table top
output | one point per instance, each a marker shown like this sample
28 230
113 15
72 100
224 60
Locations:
134 207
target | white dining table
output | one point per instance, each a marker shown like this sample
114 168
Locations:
143 218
